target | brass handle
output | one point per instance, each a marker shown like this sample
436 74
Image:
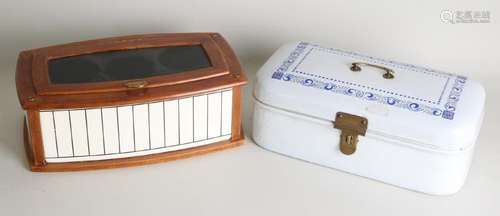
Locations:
389 73
136 84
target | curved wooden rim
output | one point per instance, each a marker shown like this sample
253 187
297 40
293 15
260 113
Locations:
36 93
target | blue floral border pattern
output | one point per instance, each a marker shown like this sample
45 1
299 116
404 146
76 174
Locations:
448 112
278 74
451 103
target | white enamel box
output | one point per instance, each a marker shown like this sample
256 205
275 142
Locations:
405 125
129 100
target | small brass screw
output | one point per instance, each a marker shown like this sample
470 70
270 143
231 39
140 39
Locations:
355 67
364 122
31 99
340 116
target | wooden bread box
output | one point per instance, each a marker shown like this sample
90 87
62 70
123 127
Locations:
129 100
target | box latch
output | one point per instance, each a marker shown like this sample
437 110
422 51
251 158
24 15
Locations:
136 84
350 126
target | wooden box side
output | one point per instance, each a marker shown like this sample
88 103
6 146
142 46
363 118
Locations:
35 154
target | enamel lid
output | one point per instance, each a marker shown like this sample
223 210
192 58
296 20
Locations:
418 106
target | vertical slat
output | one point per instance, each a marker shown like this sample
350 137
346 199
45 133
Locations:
227 108
63 133
95 136
110 128
171 122
79 132
214 115
48 134
200 117
157 132
141 127
125 123
186 120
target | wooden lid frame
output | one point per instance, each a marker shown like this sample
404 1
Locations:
36 92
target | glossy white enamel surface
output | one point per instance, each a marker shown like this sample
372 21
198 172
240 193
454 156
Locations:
376 157
429 108
135 130
422 125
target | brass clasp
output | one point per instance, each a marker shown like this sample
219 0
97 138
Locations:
136 84
389 73
350 126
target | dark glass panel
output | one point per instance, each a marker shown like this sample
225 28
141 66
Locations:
127 64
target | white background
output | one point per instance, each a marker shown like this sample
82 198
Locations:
249 180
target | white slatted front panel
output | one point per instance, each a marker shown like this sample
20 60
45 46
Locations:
135 130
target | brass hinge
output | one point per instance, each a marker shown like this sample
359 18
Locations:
350 126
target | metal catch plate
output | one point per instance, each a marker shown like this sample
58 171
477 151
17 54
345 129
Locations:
136 84
350 126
